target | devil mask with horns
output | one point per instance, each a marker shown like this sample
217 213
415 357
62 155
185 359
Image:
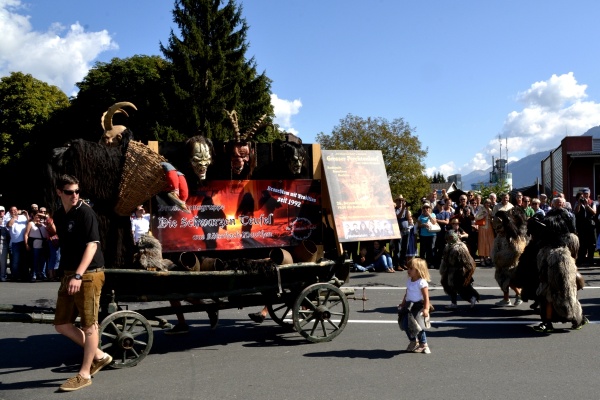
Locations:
240 150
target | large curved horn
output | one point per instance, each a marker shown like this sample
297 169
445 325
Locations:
233 117
109 122
250 132
112 110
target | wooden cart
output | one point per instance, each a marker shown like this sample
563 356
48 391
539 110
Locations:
306 297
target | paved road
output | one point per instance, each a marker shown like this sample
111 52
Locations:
481 353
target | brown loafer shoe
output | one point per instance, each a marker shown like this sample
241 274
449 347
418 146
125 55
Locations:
75 383
97 365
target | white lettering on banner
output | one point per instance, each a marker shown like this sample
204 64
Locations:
166 223
262 220
200 222
239 235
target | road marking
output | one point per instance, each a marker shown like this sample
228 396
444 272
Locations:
451 322
432 287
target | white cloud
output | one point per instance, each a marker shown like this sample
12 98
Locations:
479 161
446 169
47 56
553 93
284 110
552 109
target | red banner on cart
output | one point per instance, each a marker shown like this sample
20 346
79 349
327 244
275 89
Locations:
229 215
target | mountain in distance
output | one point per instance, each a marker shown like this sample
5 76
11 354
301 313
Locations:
595 132
524 171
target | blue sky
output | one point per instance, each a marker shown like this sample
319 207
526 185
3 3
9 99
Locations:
461 73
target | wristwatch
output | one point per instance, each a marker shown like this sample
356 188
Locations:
77 277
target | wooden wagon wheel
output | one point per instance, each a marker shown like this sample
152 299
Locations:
320 312
127 336
282 315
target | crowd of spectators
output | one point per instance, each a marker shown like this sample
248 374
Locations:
29 247
471 218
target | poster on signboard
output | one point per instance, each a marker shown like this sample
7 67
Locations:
231 215
360 195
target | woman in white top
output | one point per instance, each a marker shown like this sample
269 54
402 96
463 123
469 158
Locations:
140 225
35 242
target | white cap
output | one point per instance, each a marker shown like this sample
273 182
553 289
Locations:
2 208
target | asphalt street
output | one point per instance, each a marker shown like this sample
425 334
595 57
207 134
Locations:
487 352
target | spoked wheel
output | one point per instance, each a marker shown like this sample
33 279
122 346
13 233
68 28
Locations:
282 314
127 336
320 312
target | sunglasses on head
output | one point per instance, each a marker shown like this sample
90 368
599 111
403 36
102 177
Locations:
70 192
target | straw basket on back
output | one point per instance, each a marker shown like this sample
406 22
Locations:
143 177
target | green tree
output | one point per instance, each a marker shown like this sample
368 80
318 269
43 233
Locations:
498 187
210 70
401 149
25 104
141 80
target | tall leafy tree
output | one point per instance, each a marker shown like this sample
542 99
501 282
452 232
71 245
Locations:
498 187
141 80
25 104
401 149
210 70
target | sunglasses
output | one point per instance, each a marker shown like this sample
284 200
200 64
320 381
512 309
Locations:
70 192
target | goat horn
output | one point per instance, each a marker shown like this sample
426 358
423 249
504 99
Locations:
234 121
250 132
112 110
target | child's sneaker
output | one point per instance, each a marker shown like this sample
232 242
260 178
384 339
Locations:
504 303
422 348
412 346
473 301
518 300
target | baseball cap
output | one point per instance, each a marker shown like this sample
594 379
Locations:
2 208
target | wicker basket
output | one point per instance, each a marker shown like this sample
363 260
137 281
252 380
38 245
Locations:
142 178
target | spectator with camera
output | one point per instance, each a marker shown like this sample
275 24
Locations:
585 211
4 240
400 245
36 242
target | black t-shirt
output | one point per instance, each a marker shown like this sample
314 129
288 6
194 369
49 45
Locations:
75 230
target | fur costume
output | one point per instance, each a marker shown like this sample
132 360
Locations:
557 269
98 169
149 255
558 284
509 244
457 269
526 274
